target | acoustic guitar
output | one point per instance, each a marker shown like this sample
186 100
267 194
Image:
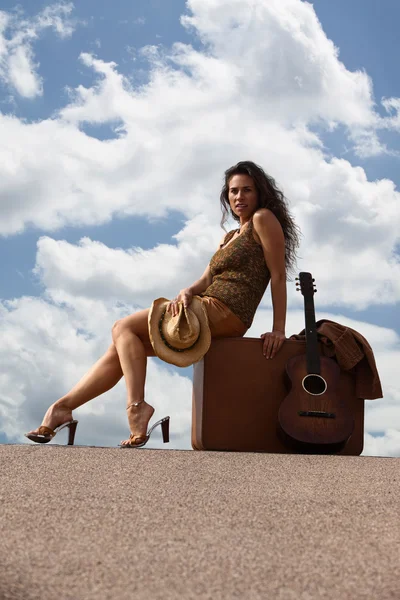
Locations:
313 418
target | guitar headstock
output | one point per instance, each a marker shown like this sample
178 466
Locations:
306 284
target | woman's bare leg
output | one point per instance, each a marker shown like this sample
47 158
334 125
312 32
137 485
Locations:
102 376
131 339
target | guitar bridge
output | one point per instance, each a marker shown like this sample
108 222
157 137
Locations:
316 413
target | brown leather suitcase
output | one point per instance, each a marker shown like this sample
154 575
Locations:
237 393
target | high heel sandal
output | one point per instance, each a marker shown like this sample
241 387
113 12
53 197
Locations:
46 434
145 438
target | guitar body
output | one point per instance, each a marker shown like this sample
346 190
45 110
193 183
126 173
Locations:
313 418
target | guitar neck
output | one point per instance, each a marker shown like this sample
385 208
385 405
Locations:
313 362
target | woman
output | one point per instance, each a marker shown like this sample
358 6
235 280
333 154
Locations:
231 288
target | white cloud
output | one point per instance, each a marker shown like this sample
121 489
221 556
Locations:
93 270
384 445
58 17
265 75
18 68
21 71
284 43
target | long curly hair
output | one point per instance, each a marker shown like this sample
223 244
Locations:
269 196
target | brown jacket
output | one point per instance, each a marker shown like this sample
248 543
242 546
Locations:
353 353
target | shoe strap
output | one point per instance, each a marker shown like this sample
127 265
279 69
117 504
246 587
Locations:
135 440
46 431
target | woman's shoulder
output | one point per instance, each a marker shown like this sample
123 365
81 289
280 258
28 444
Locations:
264 217
261 214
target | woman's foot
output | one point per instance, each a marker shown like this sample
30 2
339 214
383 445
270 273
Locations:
138 417
56 415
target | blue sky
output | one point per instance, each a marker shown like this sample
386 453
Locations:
118 214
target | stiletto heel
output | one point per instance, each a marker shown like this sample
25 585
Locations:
71 432
46 434
165 433
165 429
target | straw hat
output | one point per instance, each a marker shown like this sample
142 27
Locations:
181 340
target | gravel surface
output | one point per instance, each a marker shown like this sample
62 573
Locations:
102 523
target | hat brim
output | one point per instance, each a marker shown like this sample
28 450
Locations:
187 357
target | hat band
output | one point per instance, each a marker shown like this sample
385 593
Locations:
167 343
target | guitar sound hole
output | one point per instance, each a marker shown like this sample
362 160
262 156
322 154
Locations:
314 384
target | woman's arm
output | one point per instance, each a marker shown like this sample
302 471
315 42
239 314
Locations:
196 288
273 244
201 284
205 280
279 301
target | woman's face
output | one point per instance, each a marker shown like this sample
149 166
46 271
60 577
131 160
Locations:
243 196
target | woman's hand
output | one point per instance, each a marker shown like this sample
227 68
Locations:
273 341
185 296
